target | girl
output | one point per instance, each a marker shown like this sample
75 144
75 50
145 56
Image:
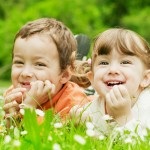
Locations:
120 74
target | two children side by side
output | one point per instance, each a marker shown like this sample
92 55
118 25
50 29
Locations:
44 63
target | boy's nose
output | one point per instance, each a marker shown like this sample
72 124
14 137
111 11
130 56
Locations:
27 72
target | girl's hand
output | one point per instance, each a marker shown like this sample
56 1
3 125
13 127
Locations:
118 104
79 114
12 98
39 93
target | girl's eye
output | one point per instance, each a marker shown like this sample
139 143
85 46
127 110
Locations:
103 63
126 62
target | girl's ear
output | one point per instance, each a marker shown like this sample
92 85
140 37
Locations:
90 76
146 79
66 76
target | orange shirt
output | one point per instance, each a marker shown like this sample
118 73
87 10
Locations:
71 94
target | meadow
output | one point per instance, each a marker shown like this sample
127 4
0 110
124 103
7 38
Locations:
53 134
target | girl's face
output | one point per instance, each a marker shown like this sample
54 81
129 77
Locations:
36 58
114 69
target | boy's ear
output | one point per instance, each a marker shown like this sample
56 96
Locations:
66 76
90 76
146 79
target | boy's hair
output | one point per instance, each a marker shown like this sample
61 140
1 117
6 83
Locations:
65 42
124 41
59 33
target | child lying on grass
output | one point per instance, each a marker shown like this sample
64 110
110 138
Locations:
43 61
120 74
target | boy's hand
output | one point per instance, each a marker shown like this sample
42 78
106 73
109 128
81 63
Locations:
12 99
39 93
118 104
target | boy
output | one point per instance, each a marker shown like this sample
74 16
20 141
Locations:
44 54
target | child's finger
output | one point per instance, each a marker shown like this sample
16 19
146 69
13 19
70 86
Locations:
117 93
16 90
11 107
40 86
49 88
124 92
15 96
112 98
79 114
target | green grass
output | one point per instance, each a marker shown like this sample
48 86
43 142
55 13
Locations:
52 134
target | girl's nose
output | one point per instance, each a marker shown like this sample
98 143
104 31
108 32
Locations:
113 68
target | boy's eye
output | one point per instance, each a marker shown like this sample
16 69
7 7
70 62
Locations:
40 64
103 63
18 62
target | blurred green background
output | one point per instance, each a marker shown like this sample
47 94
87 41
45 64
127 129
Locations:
82 16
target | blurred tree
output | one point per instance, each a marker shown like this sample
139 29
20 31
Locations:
112 11
2 12
88 17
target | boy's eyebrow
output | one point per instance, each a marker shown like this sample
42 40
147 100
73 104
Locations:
17 55
39 58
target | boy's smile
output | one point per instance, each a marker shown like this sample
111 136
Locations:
26 85
35 58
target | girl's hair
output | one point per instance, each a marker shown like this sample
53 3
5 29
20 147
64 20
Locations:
64 40
124 41
81 69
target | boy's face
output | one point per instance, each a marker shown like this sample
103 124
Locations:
114 69
35 58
